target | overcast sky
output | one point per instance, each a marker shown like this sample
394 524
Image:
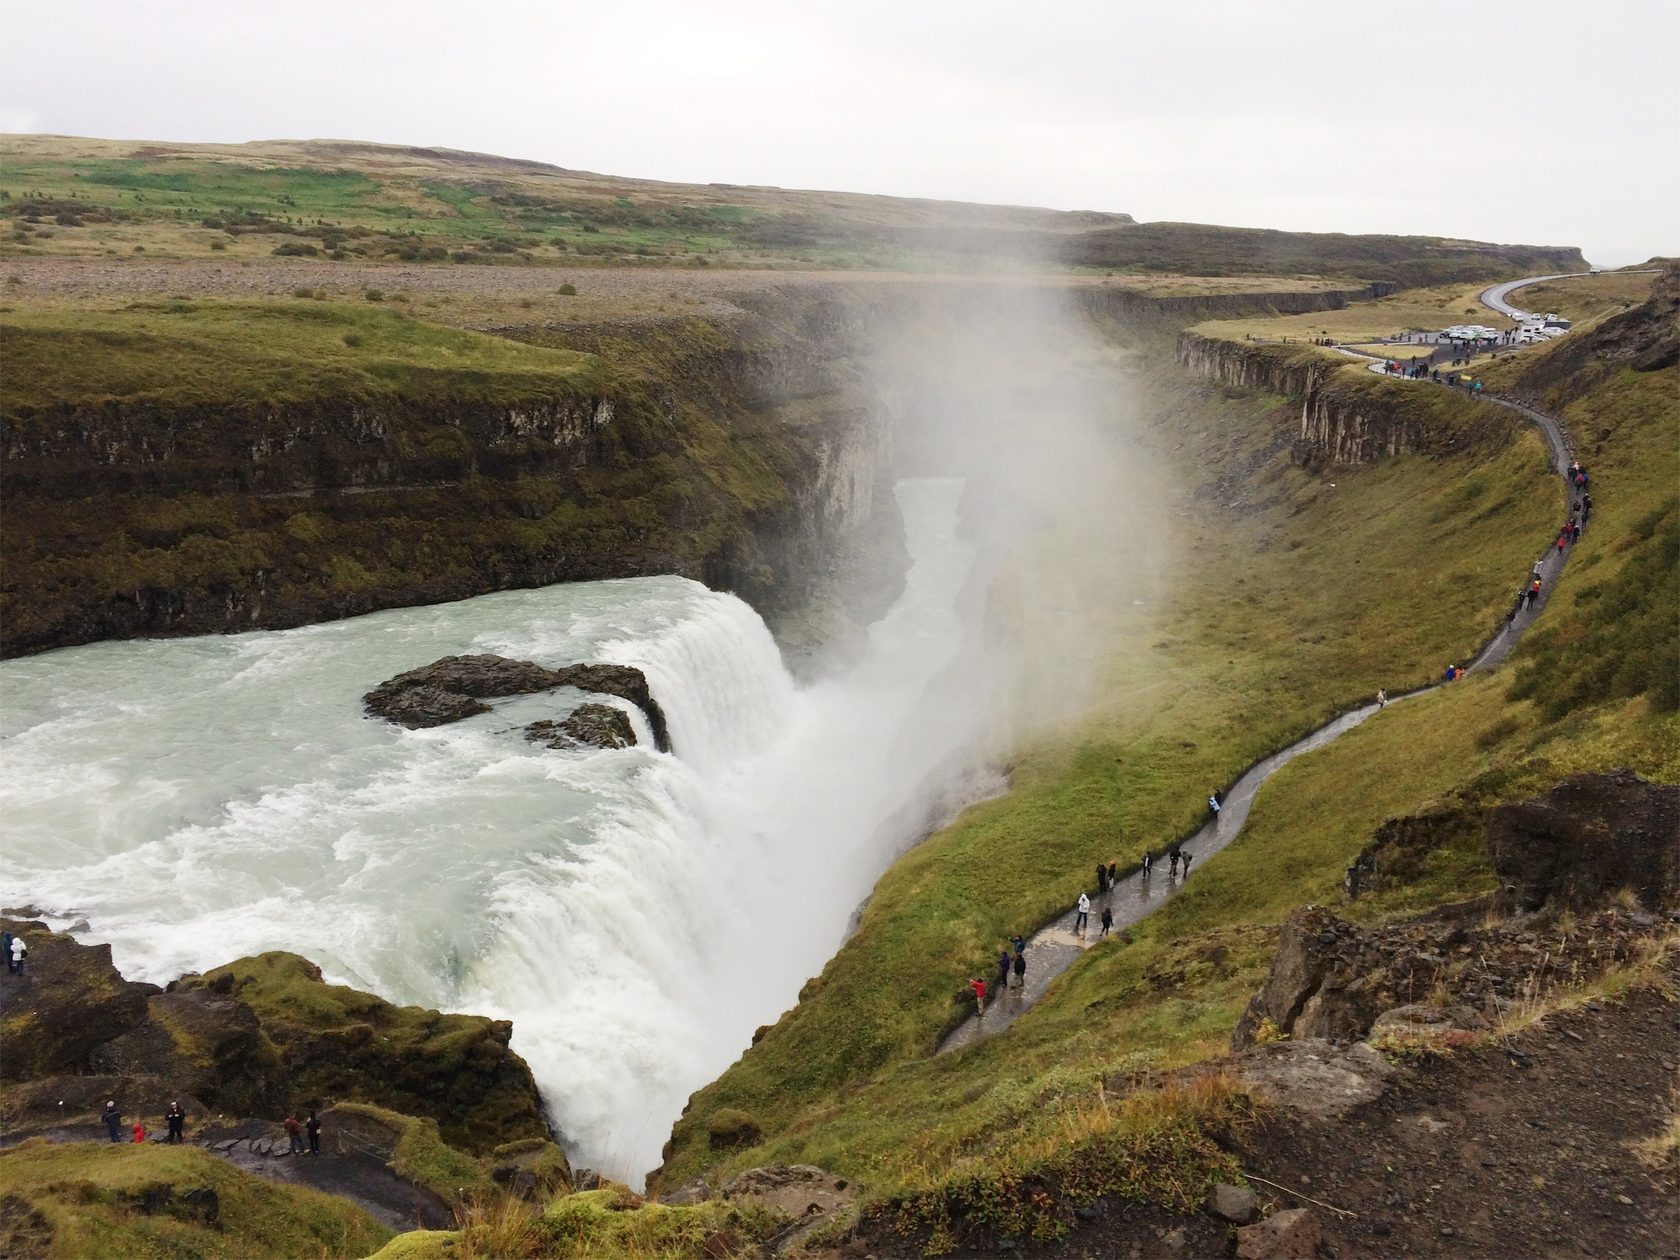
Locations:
1534 122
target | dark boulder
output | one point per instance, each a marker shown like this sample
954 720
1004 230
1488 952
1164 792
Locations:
589 726
457 686
1316 987
69 1001
1590 836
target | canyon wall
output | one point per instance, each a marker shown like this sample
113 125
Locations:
1347 415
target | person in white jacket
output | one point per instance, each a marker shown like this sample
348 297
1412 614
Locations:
1083 916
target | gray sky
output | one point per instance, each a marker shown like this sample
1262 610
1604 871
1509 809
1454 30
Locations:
1544 123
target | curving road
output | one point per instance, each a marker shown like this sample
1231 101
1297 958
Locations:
1055 946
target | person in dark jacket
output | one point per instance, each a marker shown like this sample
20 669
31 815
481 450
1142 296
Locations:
1020 971
313 1127
176 1121
113 1120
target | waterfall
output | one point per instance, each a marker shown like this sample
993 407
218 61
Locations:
635 914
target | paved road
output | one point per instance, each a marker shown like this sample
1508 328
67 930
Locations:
1495 298
1056 946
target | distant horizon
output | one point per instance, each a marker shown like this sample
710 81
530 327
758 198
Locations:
855 192
1303 113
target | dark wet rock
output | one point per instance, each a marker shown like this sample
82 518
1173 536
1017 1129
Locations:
531 1169
588 726
1314 1078
1588 837
1231 1203
455 687
213 1045
341 1044
197 1204
1313 989
69 1001
1294 1234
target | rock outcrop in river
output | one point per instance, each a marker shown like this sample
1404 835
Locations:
456 687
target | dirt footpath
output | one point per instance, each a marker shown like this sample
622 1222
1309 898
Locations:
1502 1152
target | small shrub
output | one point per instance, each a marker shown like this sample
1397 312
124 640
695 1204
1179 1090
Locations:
374 295
352 339
296 249
218 245
567 290
1269 1033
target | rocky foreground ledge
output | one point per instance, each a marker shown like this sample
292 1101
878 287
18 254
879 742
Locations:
456 687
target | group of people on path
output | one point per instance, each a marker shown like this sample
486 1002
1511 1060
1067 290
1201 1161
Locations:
1580 511
175 1121
1012 961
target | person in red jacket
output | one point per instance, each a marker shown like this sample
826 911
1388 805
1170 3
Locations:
979 987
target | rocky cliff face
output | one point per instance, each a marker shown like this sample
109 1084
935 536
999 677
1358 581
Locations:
1345 418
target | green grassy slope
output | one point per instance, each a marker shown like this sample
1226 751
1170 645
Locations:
1308 597
71 1201
347 201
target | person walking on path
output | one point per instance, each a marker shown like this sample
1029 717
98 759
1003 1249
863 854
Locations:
1102 878
1020 971
1185 874
1172 864
1382 698
1215 802
1113 872
313 1127
175 1120
979 987
294 1133
1148 864
1082 915
1107 922
1003 970
113 1120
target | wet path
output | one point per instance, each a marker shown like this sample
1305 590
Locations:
1054 947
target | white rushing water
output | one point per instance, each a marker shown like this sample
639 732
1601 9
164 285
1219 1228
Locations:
635 914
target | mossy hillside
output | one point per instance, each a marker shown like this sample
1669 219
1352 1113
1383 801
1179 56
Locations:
609 1222
76 1201
345 1046
421 1155
1308 595
1169 993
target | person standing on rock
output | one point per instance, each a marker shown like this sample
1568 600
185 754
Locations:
1020 970
1107 922
19 951
113 1120
294 1133
1082 915
175 1120
313 1126
979 987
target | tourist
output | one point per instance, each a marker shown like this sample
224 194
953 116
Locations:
1382 698
1113 871
14 959
1563 541
1102 878
1148 864
1586 507
1107 922
139 1133
1020 971
1213 806
1019 943
1185 874
6 950
313 1127
1082 915
113 1120
175 1120
979 987
294 1133
1172 864
1003 968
